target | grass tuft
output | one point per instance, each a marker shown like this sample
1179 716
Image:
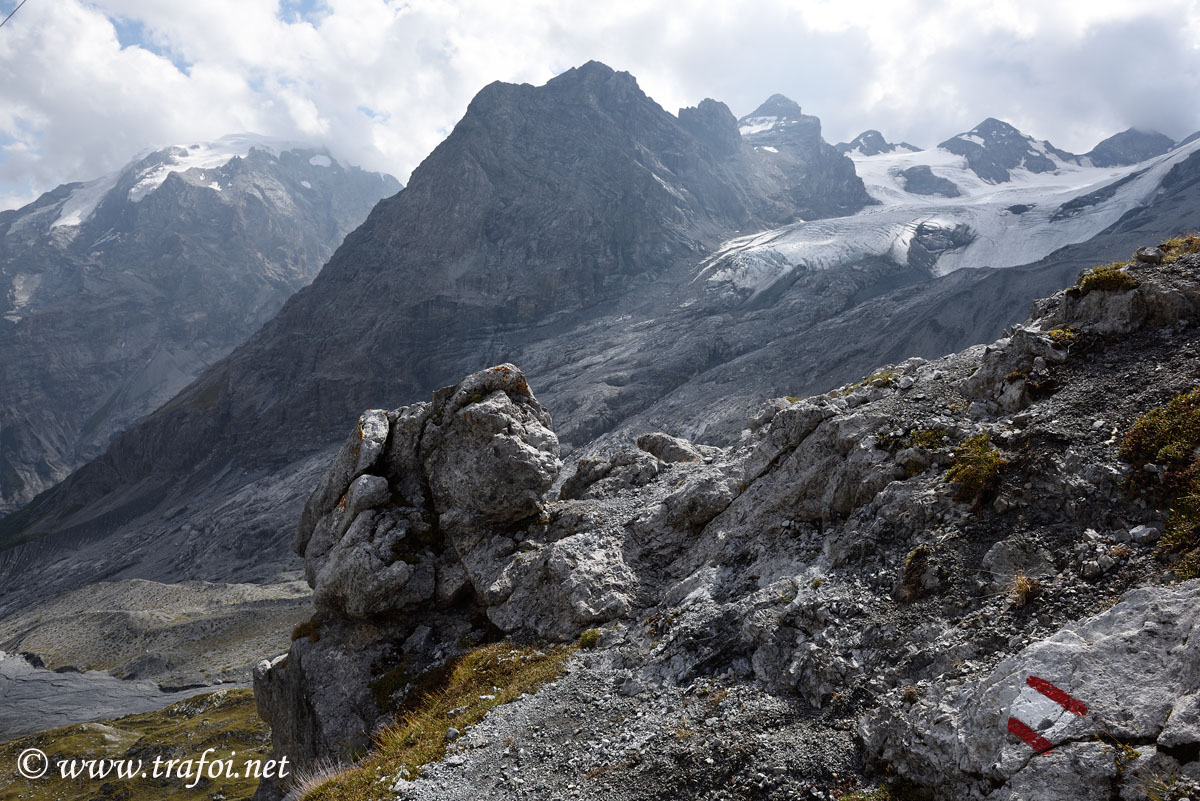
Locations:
1178 246
1023 589
1064 337
976 468
931 438
1169 437
310 628
1107 278
883 378
590 638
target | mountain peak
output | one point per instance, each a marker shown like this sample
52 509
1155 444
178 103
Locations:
778 105
591 71
781 113
994 147
1129 147
872 143
991 125
592 76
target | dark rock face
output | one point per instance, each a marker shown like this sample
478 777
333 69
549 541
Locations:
872 143
920 180
1129 147
930 241
118 293
821 182
993 147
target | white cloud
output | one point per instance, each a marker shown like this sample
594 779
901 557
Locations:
381 81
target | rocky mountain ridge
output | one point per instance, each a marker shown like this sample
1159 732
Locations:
1130 147
872 143
118 292
993 148
859 588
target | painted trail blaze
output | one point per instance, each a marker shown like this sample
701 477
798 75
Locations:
1034 740
1025 733
1057 695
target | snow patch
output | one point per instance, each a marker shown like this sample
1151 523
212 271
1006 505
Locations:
753 263
23 287
674 192
306 184
753 125
768 148
80 204
321 161
205 156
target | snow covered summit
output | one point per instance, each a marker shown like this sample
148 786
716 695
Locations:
993 148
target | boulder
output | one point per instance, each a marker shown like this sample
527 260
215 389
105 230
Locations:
603 477
1124 678
488 452
673 449
383 564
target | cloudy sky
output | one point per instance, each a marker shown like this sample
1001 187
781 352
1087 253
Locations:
84 86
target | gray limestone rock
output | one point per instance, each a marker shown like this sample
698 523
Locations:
357 456
672 449
478 458
601 477
1126 674
488 452
381 565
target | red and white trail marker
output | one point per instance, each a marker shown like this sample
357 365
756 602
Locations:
1042 712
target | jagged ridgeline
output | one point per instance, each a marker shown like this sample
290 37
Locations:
116 293
927 577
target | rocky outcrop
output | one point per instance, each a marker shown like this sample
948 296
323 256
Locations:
1112 701
829 558
421 497
920 180
1129 147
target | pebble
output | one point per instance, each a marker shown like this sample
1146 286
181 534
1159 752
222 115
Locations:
1143 534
